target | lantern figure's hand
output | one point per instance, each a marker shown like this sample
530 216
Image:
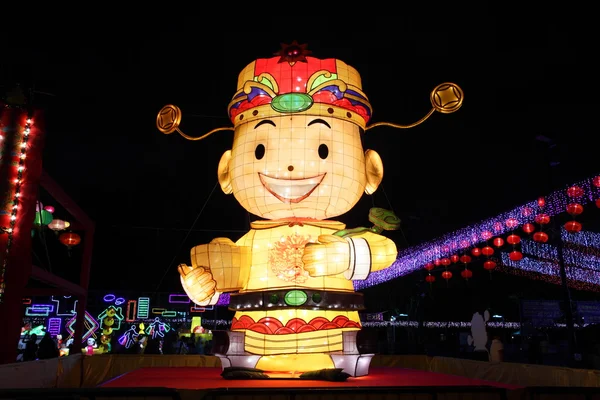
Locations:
199 285
330 256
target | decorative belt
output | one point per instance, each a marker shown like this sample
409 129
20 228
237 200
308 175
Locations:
306 299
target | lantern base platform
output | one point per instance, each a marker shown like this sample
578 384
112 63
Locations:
349 359
277 366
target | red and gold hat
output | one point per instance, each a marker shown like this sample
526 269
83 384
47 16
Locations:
294 83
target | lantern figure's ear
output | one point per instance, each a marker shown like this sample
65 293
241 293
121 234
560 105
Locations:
373 171
224 173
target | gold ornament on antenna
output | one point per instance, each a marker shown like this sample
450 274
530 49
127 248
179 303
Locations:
169 118
445 98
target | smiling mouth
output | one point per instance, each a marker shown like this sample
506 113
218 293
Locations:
290 190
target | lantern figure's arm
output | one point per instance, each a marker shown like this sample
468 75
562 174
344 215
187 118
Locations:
217 267
382 252
353 256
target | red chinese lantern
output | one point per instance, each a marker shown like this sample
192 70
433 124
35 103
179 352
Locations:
573 226
454 258
528 228
575 191
430 278
476 251
446 275
574 208
465 259
498 242
598 203
596 181
429 266
541 202
515 255
445 261
437 262
542 219
540 237
487 251
466 273
513 239
69 239
489 265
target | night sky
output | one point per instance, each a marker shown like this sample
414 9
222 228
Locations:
155 196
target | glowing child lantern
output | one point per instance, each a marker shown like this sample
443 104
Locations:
296 161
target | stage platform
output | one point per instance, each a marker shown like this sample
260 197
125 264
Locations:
381 381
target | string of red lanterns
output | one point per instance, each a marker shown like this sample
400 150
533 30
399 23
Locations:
573 208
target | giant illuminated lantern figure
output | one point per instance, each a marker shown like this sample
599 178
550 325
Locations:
296 161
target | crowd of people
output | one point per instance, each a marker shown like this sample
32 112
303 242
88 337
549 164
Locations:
39 347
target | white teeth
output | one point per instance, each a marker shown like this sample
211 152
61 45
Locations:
291 190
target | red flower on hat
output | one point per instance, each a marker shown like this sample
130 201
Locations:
292 52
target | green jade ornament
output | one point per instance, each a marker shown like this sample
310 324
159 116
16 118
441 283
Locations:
382 219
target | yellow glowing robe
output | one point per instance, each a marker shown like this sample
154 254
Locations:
269 257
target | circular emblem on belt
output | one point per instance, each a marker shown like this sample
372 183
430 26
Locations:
295 298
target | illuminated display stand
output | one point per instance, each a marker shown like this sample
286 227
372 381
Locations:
296 162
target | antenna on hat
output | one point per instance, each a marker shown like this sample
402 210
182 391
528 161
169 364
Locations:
169 118
445 98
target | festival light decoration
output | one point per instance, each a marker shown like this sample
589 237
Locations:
157 328
585 238
130 311
90 324
169 314
54 325
549 271
196 309
143 308
179 298
58 225
574 258
112 314
109 298
15 179
297 161
414 258
62 309
110 321
128 338
37 310
69 239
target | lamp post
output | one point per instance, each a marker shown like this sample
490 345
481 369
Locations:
553 162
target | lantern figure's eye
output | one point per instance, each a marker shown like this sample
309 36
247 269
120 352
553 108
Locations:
259 152
323 151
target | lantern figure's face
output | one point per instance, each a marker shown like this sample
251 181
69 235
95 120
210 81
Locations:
297 166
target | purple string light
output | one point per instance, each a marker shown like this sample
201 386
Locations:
223 299
414 258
